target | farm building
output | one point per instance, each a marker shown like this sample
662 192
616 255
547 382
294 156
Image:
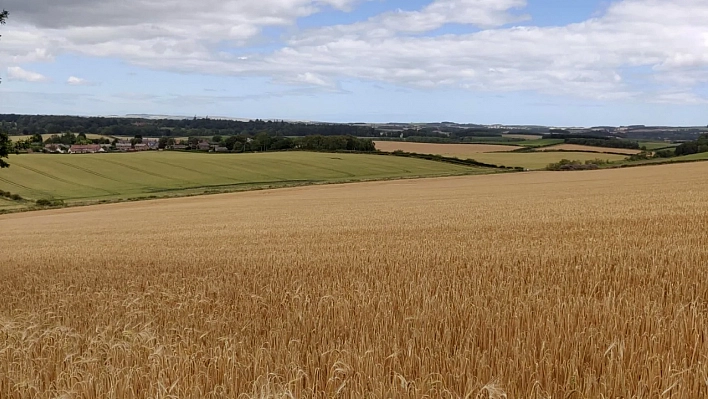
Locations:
124 145
55 148
86 149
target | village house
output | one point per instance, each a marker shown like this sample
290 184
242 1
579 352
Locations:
218 148
124 145
55 148
141 147
177 147
85 149
203 145
152 144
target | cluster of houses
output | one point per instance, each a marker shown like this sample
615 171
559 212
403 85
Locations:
202 145
127 146
120 146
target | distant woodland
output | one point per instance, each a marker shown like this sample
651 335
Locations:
445 132
132 127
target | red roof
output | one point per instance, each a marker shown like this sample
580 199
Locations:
94 147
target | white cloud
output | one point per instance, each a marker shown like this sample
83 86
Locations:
17 73
480 13
668 39
74 81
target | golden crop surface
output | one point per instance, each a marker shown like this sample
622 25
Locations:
532 285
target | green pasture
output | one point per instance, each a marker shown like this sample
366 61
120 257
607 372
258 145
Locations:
656 145
702 156
540 143
93 177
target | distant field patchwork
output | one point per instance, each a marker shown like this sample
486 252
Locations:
523 136
76 178
539 160
450 150
587 148
501 155
656 145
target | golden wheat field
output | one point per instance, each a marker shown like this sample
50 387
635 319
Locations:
588 148
528 285
452 150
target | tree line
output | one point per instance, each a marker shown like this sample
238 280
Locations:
693 147
199 127
607 143
239 143
447 134
4 139
265 142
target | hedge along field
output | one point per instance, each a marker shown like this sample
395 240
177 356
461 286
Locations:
530 285
45 136
76 178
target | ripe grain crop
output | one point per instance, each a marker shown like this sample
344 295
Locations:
529 285
588 148
539 160
452 150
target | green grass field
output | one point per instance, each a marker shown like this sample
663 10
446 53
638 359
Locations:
539 160
540 143
693 157
703 156
656 145
93 177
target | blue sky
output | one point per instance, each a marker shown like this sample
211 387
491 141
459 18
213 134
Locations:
551 62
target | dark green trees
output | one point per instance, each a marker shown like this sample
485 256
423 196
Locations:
693 147
4 139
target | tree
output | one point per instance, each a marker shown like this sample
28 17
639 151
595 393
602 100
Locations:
4 149
4 139
36 138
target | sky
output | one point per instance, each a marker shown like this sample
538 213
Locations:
546 62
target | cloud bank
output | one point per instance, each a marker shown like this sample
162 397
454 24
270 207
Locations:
643 50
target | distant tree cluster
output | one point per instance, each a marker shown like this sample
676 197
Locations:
446 134
568 165
693 147
601 142
4 139
68 139
4 148
131 127
264 142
